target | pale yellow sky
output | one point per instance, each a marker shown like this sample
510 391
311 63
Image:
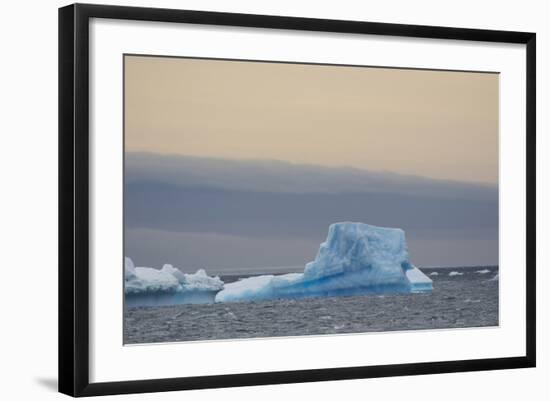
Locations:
431 123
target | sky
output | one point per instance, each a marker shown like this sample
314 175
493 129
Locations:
234 165
436 124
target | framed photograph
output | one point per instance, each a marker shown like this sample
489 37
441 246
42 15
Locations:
251 199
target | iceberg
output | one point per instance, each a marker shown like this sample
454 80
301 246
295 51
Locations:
146 286
355 259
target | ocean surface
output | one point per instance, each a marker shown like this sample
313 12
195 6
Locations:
461 297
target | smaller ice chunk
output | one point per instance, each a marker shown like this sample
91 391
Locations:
434 274
146 286
419 282
484 271
455 273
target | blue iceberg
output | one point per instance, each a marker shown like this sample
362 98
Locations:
355 259
146 286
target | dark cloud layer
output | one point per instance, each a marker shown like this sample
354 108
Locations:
278 203
268 214
279 176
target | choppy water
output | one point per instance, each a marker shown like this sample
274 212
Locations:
467 300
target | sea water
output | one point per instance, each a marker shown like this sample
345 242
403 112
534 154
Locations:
461 297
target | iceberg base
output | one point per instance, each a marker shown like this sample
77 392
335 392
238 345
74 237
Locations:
164 298
295 286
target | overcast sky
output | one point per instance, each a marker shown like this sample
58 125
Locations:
435 124
240 165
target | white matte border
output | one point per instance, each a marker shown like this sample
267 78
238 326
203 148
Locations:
111 361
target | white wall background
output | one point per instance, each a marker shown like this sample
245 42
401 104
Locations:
28 198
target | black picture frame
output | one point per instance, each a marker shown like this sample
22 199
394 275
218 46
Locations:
74 191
